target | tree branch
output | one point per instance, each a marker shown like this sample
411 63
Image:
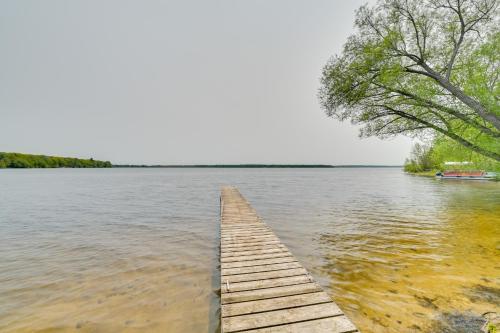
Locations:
448 110
449 134
458 93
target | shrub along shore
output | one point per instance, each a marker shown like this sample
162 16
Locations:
427 159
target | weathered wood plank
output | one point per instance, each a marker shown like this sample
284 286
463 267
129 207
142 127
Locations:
246 227
252 252
256 269
247 239
280 317
256 257
260 262
263 275
255 234
234 246
236 309
252 247
339 324
245 230
252 295
267 283
250 234
229 245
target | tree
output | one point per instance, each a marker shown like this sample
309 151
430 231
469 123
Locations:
421 159
419 68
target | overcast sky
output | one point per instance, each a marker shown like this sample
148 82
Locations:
177 82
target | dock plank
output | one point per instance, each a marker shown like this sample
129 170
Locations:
252 252
280 317
263 286
253 295
256 256
267 283
264 275
340 324
259 262
236 309
256 269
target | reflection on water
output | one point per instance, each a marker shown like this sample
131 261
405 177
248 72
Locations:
135 250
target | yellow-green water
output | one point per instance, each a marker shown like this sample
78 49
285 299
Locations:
135 250
407 281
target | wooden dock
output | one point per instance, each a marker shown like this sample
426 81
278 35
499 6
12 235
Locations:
263 287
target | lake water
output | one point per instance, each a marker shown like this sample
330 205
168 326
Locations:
136 250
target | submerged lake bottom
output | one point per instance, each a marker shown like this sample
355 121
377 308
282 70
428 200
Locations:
136 250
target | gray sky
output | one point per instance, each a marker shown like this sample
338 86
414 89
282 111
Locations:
177 82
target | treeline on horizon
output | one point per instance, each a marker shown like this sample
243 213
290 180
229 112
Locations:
225 166
18 160
254 166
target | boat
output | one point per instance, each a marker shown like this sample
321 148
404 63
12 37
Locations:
472 174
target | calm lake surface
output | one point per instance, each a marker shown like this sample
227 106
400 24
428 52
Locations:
136 250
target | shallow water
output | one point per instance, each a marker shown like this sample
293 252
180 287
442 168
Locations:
135 250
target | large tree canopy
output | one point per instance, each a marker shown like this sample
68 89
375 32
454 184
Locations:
416 67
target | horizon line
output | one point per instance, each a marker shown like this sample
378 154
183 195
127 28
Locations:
256 165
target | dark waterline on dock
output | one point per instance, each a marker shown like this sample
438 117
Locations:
135 250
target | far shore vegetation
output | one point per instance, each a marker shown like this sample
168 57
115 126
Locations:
20 161
297 166
17 160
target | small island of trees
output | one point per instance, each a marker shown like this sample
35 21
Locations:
17 160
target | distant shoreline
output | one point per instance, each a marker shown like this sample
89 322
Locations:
31 161
261 166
